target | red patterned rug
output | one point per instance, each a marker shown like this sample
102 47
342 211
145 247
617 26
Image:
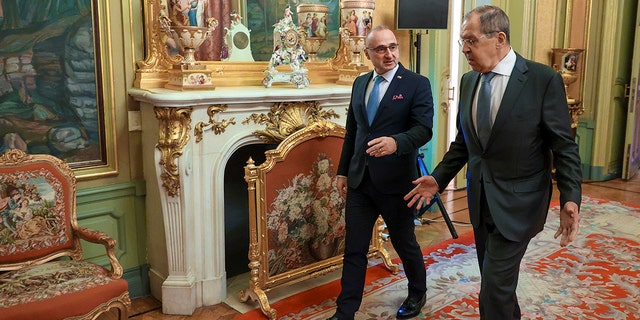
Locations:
596 278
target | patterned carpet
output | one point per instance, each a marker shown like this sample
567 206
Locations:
596 278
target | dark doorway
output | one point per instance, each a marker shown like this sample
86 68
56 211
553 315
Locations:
236 207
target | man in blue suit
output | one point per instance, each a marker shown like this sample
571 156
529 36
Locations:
390 116
509 157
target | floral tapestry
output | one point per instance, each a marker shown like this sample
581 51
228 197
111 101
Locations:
32 215
306 219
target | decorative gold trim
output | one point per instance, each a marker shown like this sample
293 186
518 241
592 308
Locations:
342 58
155 60
121 302
286 118
377 247
576 109
173 135
16 156
217 127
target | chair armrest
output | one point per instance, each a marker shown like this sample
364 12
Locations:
99 237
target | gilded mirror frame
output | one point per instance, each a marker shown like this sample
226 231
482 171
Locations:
153 71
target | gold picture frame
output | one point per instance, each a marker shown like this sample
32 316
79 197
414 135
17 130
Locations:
296 214
153 71
59 101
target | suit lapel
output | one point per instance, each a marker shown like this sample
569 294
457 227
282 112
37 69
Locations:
466 102
362 91
393 85
517 81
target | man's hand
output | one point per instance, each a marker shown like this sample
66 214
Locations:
569 223
426 188
382 146
342 186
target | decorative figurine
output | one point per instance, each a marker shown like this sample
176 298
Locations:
237 40
287 50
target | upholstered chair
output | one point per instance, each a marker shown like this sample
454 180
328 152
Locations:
42 271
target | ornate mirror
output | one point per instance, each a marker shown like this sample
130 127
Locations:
236 52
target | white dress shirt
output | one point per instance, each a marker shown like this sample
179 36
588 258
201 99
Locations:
498 86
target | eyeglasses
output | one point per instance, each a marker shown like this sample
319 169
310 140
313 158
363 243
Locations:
383 49
472 42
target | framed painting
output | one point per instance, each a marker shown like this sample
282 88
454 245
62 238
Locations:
261 15
51 92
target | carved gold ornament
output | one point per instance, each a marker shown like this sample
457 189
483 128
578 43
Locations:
216 127
286 118
158 61
173 135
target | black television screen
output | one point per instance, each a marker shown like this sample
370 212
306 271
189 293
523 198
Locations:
422 14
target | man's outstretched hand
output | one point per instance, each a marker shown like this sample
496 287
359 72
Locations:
426 188
569 223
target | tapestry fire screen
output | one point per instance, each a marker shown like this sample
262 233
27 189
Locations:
296 213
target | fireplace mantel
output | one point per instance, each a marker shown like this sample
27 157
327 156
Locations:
187 139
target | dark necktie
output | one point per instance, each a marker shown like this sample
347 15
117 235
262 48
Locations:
483 116
374 100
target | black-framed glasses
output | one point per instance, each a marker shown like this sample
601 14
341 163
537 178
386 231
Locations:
472 42
383 49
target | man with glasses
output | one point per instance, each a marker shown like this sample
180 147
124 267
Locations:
513 128
390 116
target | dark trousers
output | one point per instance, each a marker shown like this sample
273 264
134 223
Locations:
499 261
363 206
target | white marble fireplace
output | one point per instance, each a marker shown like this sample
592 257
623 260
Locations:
188 138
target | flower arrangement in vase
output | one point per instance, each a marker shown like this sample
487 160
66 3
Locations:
306 220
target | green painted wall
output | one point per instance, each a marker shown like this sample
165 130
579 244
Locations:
436 68
119 211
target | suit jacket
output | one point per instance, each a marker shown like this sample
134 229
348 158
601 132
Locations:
530 135
405 113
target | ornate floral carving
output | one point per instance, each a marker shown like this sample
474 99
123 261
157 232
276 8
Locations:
216 127
286 118
14 156
172 137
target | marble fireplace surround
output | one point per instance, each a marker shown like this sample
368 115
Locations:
188 138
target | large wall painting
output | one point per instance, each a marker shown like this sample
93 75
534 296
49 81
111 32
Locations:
50 90
263 14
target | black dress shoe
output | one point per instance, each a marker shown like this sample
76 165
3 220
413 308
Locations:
411 307
335 317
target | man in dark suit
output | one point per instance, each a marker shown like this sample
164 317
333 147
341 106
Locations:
509 173
377 166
